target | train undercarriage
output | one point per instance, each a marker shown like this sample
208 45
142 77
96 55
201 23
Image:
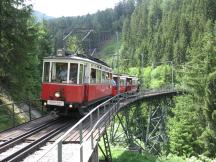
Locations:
74 110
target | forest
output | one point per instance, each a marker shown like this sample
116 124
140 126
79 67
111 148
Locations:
179 31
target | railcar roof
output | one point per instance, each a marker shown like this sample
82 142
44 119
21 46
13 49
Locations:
78 57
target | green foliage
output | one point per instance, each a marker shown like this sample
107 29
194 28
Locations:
182 32
200 80
120 154
74 45
171 158
160 76
107 51
5 121
164 30
23 44
185 127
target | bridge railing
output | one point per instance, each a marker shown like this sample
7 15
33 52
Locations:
97 120
167 88
17 113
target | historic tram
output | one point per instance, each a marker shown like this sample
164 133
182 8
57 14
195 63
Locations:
74 81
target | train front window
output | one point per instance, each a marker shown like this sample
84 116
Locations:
59 72
46 72
73 73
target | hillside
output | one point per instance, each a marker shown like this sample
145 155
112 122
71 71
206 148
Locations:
108 50
41 16
182 32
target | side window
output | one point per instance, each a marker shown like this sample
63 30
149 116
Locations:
73 73
109 77
98 77
59 72
81 73
46 72
93 76
122 82
104 77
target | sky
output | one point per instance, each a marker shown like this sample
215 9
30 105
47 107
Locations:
58 8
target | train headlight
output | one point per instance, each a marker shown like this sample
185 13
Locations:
57 94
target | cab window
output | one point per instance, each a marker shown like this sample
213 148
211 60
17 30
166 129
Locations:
73 73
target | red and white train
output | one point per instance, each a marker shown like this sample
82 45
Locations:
77 81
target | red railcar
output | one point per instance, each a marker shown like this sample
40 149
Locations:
131 83
121 81
73 82
126 84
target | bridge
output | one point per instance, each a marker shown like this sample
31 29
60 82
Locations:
80 142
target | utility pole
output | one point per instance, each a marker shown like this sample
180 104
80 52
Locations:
142 86
117 40
172 74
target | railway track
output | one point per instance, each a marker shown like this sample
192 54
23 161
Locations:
29 146
54 127
10 143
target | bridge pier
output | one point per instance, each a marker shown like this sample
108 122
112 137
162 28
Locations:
156 134
129 121
107 151
143 129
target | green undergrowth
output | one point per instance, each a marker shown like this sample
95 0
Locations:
6 113
5 121
122 154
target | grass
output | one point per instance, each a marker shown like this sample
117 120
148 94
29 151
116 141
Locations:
121 154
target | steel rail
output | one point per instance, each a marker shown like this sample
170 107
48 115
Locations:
19 155
8 144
